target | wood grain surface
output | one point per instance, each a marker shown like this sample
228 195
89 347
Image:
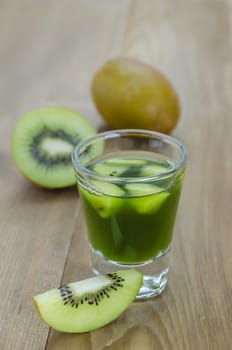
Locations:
49 51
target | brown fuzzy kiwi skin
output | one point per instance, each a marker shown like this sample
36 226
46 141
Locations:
129 93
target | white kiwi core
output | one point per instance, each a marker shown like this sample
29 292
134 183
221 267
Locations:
55 146
91 285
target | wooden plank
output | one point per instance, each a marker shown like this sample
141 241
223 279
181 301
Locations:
51 55
189 42
49 51
48 55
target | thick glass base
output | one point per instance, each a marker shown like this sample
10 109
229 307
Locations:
155 272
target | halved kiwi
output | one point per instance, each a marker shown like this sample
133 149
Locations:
89 304
43 142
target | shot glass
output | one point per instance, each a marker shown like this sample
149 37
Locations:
129 184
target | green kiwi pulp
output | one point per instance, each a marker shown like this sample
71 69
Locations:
89 304
43 142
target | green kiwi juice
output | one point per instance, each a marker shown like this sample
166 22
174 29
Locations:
130 219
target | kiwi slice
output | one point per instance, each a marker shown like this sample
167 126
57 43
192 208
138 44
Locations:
152 170
119 167
107 169
142 189
89 304
148 197
126 161
43 142
104 197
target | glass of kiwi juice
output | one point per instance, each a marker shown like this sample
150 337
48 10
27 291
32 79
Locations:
129 183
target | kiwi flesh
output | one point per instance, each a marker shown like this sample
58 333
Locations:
89 304
106 169
146 198
125 168
107 198
104 197
42 144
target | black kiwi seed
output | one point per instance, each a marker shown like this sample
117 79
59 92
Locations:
105 292
114 172
119 285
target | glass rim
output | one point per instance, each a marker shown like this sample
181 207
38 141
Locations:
116 133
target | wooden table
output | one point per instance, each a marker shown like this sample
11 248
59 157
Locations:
49 51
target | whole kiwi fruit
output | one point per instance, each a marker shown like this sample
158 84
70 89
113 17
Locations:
131 94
